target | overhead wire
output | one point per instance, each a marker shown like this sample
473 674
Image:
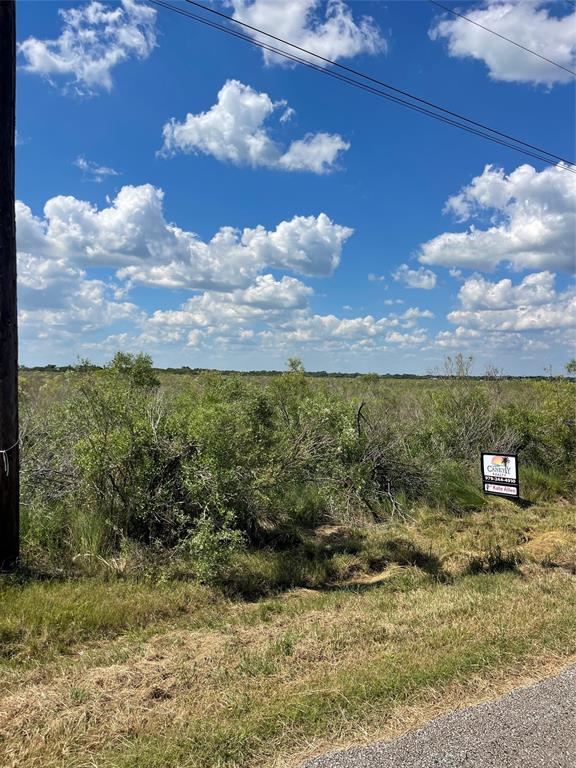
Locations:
500 138
370 78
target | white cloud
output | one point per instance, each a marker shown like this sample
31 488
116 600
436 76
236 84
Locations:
240 303
335 36
233 130
534 289
316 152
132 235
460 338
415 278
407 339
507 347
533 222
546 316
376 278
267 293
56 297
532 305
226 315
92 171
95 38
526 22
280 322
414 313
20 140
306 244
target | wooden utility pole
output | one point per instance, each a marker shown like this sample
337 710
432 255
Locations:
9 453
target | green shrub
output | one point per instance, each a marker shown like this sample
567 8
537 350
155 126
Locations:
115 464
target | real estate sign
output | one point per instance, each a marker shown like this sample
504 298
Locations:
500 474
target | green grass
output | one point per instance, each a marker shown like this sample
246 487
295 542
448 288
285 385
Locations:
45 618
262 721
392 622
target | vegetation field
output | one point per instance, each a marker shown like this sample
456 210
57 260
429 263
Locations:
245 571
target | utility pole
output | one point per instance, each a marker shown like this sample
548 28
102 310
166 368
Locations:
9 448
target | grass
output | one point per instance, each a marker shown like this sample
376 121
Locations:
41 619
390 626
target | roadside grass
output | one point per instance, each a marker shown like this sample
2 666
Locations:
41 619
121 673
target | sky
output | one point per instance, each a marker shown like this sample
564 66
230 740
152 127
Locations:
189 195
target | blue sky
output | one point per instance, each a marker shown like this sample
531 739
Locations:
182 196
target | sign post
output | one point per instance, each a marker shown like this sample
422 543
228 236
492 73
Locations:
500 475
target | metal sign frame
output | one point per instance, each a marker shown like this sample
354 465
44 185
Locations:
489 480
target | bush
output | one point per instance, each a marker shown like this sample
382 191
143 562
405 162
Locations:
113 462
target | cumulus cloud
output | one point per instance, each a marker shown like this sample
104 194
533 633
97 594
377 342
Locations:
94 172
537 288
336 35
546 316
532 305
282 321
527 22
532 222
316 152
268 293
57 297
233 130
226 315
237 302
508 347
132 235
415 313
306 244
407 339
415 278
459 338
95 38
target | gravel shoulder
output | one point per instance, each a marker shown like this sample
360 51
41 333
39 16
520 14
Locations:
532 727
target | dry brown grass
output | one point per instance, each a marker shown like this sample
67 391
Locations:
269 683
430 704
323 655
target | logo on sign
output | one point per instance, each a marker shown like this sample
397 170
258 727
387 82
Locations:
500 474
499 465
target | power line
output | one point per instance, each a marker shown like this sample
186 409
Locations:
539 154
357 73
503 37
371 79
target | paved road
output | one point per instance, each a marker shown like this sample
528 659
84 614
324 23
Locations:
531 727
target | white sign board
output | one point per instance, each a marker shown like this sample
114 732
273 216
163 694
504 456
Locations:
500 474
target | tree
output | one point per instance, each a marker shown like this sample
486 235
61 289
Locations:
458 366
138 368
295 365
571 367
493 373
